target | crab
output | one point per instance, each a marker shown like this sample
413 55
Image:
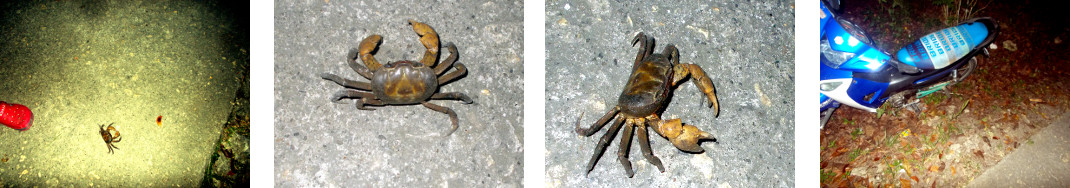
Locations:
644 97
108 138
402 82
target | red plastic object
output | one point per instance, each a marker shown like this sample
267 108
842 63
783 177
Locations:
16 116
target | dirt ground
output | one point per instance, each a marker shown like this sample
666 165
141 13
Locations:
959 134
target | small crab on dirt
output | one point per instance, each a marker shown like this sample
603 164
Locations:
108 138
644 97
402 82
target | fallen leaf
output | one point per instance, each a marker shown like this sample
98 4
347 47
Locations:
839 151
905 182
952 170
934 168
915 178
1035 100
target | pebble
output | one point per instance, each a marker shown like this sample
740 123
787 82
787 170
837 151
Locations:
1010 45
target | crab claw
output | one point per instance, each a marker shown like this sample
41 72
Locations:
683 136
367 46
429 38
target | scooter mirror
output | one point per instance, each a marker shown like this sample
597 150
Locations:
833 5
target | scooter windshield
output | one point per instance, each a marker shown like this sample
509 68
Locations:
846 47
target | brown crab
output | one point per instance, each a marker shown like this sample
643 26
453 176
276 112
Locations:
402 82
644 97
108 138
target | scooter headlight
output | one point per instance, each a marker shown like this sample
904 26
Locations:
829 86
835 58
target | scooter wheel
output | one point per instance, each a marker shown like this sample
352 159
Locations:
962 72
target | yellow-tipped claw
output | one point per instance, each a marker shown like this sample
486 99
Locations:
366 47
683 136
429 38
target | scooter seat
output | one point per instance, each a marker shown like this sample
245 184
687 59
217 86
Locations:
944 47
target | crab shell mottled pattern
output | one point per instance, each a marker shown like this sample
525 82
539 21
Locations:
106 135
648 86
404 82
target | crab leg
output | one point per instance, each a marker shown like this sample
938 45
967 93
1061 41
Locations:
347 82
602 143
447 111
448 62
452 96
366 47
645 49
598 124
369 101
625 145
701 80
429 38
644 143
461 70
673 53
360 69
365 98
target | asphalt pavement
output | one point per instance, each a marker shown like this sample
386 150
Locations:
1044 161
323 144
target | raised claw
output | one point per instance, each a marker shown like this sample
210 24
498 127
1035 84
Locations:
701 80
429 38
117 137
367 46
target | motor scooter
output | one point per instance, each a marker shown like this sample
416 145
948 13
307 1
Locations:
856 74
